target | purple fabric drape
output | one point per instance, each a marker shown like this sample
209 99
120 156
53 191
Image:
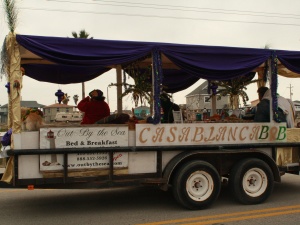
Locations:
215 63
84 52
289 59
177 80
63 74
174 80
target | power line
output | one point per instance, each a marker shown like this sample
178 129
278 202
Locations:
291 93
187 8
161 17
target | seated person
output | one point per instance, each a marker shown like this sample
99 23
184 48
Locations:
94 107
285 113
168 108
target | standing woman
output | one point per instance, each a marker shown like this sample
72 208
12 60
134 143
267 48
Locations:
94 107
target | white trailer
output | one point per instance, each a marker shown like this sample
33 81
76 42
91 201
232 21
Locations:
68 117
191 159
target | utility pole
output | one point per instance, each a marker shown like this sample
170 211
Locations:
83 90
291 93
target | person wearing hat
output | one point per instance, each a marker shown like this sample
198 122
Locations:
94 107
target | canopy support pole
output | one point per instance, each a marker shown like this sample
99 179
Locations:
14 74
15 81
214 105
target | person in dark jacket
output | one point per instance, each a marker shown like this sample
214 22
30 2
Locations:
94 107
262 113
168 108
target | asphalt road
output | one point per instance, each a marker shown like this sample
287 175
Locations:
146 206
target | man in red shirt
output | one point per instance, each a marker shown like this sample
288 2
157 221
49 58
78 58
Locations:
94 107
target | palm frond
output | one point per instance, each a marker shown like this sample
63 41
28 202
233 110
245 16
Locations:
81 34
4 59
235 87
11 14
74 34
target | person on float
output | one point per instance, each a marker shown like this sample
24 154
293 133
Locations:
94 107
285 108
168 108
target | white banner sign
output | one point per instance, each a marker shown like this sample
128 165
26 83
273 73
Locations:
82 137
209 133
72 137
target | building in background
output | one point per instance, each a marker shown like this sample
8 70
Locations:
27 104
51 110
199 99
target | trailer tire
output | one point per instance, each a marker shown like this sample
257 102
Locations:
196 185
251 181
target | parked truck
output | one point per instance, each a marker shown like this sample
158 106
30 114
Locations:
191 159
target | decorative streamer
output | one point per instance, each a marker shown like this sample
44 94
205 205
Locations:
266 69
4 60
274 85
158 78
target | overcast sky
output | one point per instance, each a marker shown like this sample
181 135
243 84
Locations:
255 24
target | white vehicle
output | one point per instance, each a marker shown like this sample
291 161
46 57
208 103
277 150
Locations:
68 117
190 158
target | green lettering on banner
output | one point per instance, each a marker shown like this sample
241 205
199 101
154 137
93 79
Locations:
264 132
281 133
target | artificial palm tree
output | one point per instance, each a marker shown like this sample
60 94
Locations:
235 88
142 88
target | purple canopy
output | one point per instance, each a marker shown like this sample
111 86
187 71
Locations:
78 60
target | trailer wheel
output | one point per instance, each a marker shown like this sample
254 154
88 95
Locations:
196 185
251 181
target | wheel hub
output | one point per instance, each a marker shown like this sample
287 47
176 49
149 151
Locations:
199 186
255 182
252 181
